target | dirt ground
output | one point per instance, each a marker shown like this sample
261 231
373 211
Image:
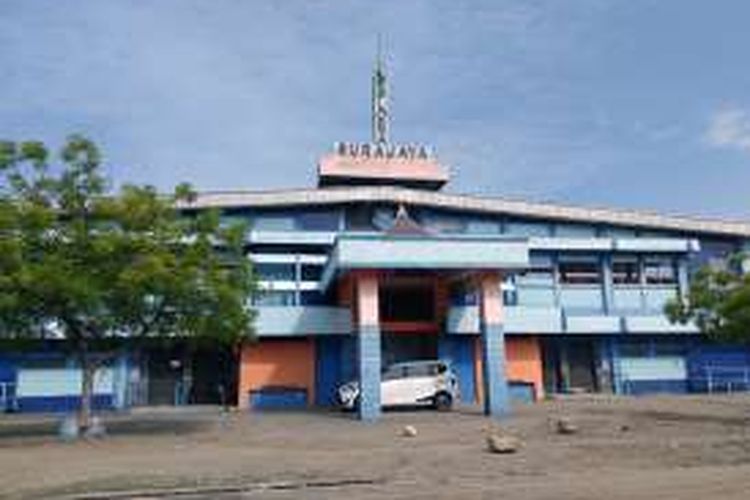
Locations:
657 447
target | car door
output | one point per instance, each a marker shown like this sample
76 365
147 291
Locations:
422 380
393 386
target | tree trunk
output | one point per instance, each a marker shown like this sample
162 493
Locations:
88 370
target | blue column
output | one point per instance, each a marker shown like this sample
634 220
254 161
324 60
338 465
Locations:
496 402
493 346
368 349
607 283
682 278
120 381
368 345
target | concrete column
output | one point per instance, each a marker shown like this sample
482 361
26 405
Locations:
120 381
493 346
683 282
607 284
368 344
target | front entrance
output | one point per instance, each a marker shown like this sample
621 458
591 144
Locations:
409 318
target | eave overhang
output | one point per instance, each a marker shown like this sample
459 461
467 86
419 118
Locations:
440 253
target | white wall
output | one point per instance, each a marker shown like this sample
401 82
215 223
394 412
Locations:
36 382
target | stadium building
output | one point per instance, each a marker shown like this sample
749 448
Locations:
379 263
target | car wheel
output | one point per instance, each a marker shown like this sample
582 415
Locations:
443 401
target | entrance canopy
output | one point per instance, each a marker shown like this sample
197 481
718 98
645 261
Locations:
427 252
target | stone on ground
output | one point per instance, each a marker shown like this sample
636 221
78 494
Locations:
502 443
566 426
409 431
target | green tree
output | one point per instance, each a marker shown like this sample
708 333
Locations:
718 301
90 265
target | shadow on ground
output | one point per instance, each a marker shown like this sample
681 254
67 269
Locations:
15 427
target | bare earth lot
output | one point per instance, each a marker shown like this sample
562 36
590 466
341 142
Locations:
666 447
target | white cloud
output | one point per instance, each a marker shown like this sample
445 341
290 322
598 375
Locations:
729 128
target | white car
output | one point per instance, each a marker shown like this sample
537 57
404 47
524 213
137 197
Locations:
414 383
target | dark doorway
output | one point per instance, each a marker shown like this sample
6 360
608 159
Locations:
407 301
569 364
398 347
214 374
191 374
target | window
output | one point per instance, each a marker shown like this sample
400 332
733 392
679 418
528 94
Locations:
275 271
317 221
660 271
446 223
312 298
311 272
626 271
635 348
536 276
281 298
581 272
273 222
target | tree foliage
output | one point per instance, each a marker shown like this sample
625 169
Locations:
718 301
84 263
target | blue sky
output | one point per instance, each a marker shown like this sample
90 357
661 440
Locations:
640 103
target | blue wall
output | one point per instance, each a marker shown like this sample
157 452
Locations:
459 352
334 365
718 368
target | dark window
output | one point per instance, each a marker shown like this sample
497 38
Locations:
359 218
660 271
311 272
317 221
275 272
312 298
285 298
273 222
669 348
635 349
579 272
625 271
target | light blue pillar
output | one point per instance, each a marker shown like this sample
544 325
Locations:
556 280
120 381
607 284
368 344
368 348
682 278
496 401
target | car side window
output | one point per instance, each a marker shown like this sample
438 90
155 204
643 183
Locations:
419 371
441 368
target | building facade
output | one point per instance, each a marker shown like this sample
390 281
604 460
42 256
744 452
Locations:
379 264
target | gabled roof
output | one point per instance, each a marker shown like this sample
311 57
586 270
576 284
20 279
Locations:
470 203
